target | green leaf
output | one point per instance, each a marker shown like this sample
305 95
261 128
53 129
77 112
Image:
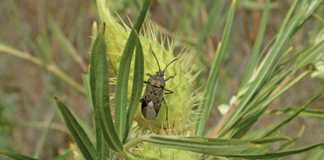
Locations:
16 156
291 117
297 15
282 81
210 91
100 141
275 87
215 141
85 145
87 88
262 73
282 153
310 55
255 53
254 113
138 82
253 149
123 73
100 96
101 145
311 113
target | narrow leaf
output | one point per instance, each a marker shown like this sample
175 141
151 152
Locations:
227 147
255 54
138 82
100 141
209 93
282 153
311 113
295 18
291 117
123 73
100 96
254 113
101 145
85 145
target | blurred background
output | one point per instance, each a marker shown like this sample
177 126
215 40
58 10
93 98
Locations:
56 36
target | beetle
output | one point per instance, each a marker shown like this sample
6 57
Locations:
155 90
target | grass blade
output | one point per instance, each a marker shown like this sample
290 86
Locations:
296 16
255 54
85 145
100 95
253 115
123 73
138 82
209 93
263 71
260 103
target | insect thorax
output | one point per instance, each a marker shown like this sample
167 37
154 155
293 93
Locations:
157 81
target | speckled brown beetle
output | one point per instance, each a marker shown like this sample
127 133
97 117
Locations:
154 91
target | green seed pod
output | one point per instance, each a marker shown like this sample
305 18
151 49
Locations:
181 102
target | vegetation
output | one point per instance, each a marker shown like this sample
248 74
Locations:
121 54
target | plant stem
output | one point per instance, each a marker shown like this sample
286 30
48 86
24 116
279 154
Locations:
51 68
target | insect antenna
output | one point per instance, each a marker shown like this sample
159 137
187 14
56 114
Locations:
155 58
175 59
